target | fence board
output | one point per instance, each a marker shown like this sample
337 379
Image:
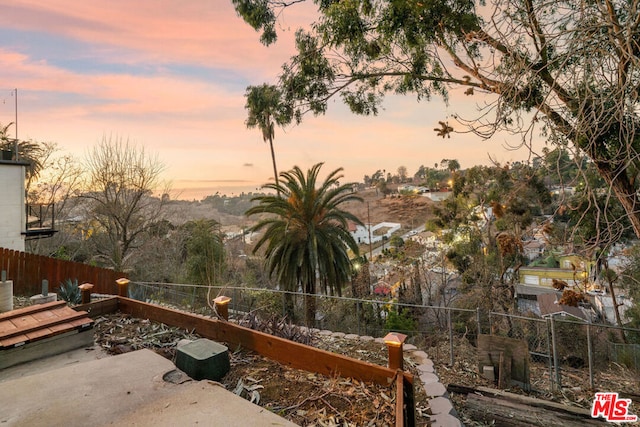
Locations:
31 273
12 268
20 270
28 270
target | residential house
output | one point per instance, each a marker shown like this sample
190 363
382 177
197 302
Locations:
377 232
573 269
533 249
13 218
438 195
19 221
550 307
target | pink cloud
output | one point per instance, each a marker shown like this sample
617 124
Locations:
197 126
204 32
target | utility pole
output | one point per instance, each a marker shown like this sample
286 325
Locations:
370 250
369 225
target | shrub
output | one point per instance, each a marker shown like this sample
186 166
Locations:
70 292
400 322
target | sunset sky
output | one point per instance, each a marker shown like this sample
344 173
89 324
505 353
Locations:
171 75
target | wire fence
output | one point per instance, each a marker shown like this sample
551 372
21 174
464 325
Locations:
564 353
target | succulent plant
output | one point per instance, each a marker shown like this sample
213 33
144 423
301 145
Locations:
69 291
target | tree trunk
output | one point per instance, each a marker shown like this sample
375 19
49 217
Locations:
616 312
625 192
310 309
289 310
501 408
273 160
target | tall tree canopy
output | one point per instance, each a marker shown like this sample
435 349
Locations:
265 110
568 69
306 235
120 180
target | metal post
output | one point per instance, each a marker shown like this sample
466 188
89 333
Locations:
635 358
16 123
45 287
548 335
589 351
478 320
490 325
555 355
370 245
450 336
3 276
235 300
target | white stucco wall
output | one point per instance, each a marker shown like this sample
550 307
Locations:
361 234
12 208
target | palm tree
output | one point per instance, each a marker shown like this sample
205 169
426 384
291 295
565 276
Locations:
306 236
266 108
31 152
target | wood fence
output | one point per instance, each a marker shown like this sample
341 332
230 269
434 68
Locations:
28 270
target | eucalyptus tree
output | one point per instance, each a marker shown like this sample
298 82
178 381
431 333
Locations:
266 109
450 165
402 173
488 218
590 220
306 234
567 70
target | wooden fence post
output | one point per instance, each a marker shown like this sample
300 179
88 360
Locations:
394 342
221 305
85 289
123 287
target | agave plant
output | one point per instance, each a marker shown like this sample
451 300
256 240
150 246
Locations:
69 291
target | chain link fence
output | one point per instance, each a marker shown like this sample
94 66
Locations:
564 353
572 348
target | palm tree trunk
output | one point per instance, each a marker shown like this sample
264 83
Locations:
310 300
310 309
289 310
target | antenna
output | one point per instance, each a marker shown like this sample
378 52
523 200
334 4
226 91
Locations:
15 144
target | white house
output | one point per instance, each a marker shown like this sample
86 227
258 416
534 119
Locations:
361 234
438 196
12 205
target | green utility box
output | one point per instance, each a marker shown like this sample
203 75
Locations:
203 359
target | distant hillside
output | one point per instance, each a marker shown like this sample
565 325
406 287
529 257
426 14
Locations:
229 211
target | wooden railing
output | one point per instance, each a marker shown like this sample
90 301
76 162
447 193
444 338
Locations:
28 270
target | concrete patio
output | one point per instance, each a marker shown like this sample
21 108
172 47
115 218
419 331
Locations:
88 388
